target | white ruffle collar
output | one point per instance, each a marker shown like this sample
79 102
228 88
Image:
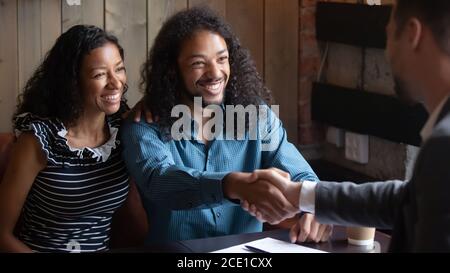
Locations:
100 153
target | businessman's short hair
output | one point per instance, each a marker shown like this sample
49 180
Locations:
433 13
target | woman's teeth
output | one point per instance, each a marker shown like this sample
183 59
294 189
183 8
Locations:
111 97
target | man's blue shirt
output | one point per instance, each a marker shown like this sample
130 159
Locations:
180 181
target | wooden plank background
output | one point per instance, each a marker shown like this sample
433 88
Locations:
159 11
9 76
280 67
128 21
219 6
91 12
29 30
50 24
268 28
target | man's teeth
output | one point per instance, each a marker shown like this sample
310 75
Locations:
212 86
111 97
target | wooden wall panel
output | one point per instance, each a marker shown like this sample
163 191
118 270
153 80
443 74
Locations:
50 24
90 12
217 5
8 63
39 24
281 59
128 21
158 12
247 19
29 27
267 28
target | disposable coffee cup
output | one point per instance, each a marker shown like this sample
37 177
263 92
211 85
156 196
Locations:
360 236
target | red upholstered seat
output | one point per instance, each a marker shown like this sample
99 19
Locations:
130 224
6 143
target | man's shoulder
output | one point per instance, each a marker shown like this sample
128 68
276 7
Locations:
130 127
438 144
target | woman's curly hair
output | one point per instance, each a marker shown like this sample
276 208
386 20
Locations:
53 89
162 82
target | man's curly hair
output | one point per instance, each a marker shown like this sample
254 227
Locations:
161 78
53 89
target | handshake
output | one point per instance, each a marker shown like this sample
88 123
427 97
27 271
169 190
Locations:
272 197
269 195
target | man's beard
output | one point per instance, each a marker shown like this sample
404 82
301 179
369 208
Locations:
206 103
402 92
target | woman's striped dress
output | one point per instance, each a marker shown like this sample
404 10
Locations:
70 205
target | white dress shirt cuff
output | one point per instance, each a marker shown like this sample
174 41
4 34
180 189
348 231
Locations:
308 196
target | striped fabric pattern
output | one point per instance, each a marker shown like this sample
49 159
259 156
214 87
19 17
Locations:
69 207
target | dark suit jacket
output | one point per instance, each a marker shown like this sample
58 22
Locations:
417 210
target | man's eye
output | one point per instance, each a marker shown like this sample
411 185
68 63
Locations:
197 64
223 59
96 76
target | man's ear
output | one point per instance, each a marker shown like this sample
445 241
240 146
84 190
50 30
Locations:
414 30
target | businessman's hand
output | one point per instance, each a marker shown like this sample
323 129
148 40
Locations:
273 207
282 181
307 229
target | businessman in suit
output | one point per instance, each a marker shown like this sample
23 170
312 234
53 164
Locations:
417 210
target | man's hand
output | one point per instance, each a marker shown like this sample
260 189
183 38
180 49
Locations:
137 110
308 229
273 207
282 181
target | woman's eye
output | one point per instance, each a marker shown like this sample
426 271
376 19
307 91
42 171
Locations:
99 75
120 69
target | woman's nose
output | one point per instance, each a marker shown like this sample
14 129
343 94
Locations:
114 82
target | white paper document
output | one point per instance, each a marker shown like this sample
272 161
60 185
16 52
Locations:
269 245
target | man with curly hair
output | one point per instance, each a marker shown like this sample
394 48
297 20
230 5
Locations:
192 187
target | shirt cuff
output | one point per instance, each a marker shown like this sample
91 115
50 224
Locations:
211 187
308 196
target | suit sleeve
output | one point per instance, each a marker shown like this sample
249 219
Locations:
432 189
371 204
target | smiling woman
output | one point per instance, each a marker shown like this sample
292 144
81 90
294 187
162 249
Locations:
66 176
103 67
